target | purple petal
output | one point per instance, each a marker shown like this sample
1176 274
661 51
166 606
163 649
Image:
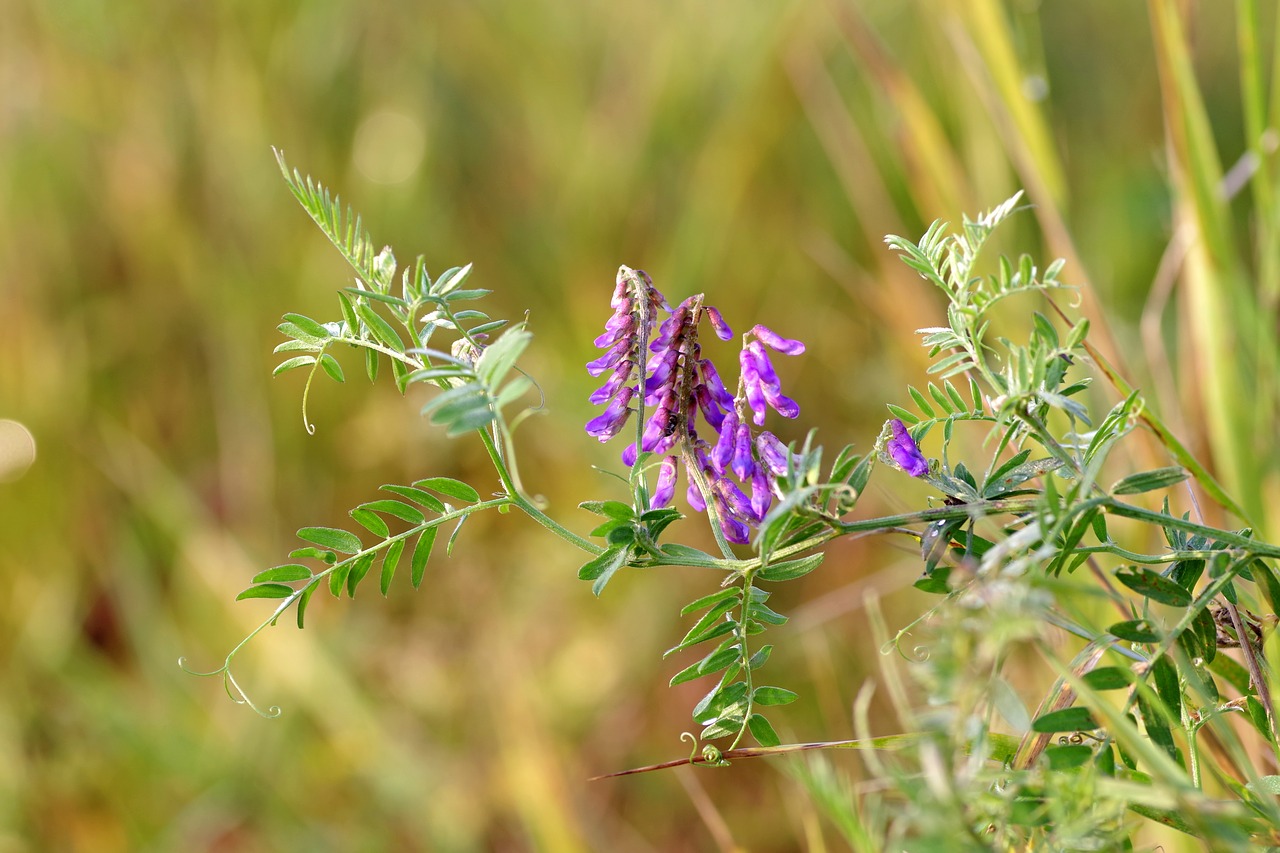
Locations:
772 453
620 374
606 425
665 489
733 500
774 341
743 464
694 497
905 451
782 404
723 332
629 455
723 451
710 411
735 530
615 354
764 367
712 379
761 494
661 372
620 288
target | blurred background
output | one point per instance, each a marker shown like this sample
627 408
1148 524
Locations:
754 152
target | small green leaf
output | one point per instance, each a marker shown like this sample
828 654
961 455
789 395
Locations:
310 553
1068 757
421 552
293 363
400 371
1149 481
450 487
451 279
597 565
371 364
707 600
706 625
791 569
1135 631
764 613
621 535
904 415
921 402
306 324
465 295
359 569
332 538
1066 720
283 574
773 696
720 703
377 297
418 496
935 582
616 509
338 579
1165 676
760 658
294 331
348 314
1265 785
305 599
266 590
762 731
379 328
500 356
1108 678
1154 586
370 521
399 509
394 550
675 549
331 367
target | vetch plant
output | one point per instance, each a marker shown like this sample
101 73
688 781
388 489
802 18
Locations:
1040 543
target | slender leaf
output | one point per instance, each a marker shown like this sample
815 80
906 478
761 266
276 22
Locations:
329 537
449 487
389 562
266 590
283 574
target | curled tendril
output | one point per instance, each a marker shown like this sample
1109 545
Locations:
693 739
709 755
234 691
917 654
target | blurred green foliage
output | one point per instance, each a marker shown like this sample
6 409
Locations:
757 152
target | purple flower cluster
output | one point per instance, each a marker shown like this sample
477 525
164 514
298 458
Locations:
681 390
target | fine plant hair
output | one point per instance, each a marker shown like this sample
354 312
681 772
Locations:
1161 710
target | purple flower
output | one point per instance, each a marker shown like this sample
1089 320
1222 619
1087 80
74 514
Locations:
723 332
723 452
761 493
666 486
711 412
743 464
712 380
605 426
904 450
772 453
774 341
694 497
